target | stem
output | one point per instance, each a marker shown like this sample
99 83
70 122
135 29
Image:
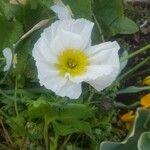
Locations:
5 95
65 142
6 134
135 53
3 79
15 98
46 133
4 114
36 27
98 27
24 91
91 95
133 69
123 106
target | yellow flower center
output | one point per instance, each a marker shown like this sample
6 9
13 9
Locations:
72 61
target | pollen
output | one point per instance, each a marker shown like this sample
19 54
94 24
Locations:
72 61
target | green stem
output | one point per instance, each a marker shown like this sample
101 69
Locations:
53 145
65 142
46 139
5 76
123 106
147 47
15 98
25 91
4 114
5 95
133 69
6 134
98 27
91 95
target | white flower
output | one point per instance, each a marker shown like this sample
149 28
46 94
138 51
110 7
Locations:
65 58
7 53
63 12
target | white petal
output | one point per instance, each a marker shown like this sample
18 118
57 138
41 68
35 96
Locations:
84 28
49 77
93 50
42 52
106 54
62 11
66 40
8 56
45 69
103 81
54 82
50 33
81 27
71 90
92 73
42 48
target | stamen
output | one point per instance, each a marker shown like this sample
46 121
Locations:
72 61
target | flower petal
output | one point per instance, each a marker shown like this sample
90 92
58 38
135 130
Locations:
106 54
8 56
71 90
92 73
145 101
42 51
103 81
54 82
66 40
93 50
81 27
49 77
84 28
62 11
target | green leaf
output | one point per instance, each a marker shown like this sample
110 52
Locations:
127 26
110 16
74 127
80 8
10 32
46 3
34 4
147 123
17 125
133 89
144 141
57 111
132 140
38 109
8 10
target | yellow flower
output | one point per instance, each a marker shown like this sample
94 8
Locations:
128 117
146 81
145 101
